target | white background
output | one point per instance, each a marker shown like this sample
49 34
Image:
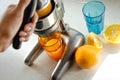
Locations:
12 65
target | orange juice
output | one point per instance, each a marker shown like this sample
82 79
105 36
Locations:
53 46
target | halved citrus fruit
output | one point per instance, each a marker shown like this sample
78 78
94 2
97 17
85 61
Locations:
112 34
94 40
87 56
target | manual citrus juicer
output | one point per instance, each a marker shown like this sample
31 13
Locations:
51 26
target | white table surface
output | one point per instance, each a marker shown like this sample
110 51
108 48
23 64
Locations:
12 65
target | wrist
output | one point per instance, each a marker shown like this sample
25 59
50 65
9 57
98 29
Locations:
0 31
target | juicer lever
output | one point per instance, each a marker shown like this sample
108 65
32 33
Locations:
28 14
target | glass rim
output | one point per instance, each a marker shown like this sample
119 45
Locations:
53 43
97 2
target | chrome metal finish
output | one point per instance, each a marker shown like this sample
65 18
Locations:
61 72
60 8
76 39
48 25
42 4
48 32
37 50
72 39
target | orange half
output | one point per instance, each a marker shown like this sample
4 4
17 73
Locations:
112 34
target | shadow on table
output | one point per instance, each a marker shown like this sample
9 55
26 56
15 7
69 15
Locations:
45 66
75 73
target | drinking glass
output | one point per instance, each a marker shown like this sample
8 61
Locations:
53 45
93 12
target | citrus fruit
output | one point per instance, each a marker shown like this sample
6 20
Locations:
45 9
87 56
94 40
112 34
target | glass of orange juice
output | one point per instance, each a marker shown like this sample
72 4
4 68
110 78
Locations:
53 45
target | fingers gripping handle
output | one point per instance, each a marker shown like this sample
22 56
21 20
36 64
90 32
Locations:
28 14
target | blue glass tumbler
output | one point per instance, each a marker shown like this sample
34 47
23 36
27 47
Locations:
93 12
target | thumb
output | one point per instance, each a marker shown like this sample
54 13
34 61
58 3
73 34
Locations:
22 5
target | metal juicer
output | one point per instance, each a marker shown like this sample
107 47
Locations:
48 25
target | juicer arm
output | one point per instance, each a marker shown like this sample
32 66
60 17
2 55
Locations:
28 14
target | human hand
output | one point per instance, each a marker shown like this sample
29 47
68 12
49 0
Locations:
11 23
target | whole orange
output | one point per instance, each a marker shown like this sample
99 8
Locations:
87 56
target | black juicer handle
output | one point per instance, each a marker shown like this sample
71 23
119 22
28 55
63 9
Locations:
28 14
